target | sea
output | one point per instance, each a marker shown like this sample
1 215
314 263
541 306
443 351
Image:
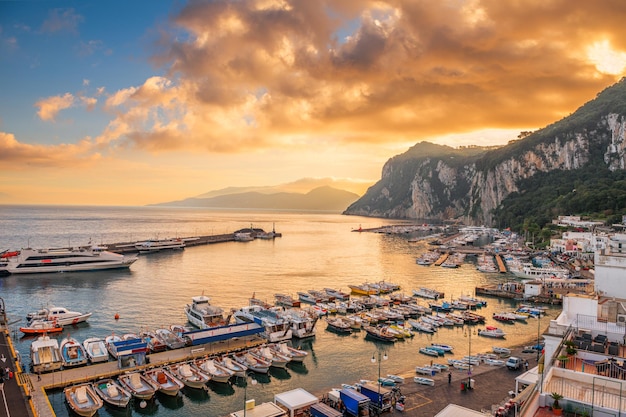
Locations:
316 250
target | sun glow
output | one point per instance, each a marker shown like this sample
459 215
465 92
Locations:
606 59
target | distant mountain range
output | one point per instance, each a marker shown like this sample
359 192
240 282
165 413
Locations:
324 198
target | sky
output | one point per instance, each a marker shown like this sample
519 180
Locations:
140 102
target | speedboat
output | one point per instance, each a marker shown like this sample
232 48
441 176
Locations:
338 325
112 392
203 315
213 369
253 363
41 327
380 333
139 385
491 331
96 349
164 381
302 323
90 258
275 327
191 376
150 246
155 344
45 354
170 338
72 352
83 399
59 315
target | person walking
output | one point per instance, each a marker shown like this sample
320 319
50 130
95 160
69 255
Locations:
449 378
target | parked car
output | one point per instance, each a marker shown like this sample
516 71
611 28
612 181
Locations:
514 363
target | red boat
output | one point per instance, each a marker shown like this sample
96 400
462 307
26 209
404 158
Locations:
41 327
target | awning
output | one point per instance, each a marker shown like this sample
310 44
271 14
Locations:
525 394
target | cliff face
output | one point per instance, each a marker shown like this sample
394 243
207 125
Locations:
451 184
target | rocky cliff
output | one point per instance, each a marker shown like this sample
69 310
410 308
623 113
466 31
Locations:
438 182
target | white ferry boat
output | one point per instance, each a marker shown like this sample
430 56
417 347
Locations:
528 270
203 315
157 245
91 258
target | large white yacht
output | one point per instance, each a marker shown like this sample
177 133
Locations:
91 258
203 315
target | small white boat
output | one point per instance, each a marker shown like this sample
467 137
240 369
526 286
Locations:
494 362
425 370
238 369
82 399
164 381
110 341
112 393
72 352
446 348
440 366
424 381
45 354
429 351
213 369
396 378
491 331
252 362
150 246
296 355
138 385
274 358
501 350
59 315
171 340
191 376
96 349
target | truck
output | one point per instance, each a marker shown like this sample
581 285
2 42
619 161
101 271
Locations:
514 363
380 397
355 403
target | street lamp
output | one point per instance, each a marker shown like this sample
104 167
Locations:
468 334
538 331
245 392
382 356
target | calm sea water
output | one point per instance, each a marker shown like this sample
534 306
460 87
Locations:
315 251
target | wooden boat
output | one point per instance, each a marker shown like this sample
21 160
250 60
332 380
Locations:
424 381
253 363
164 381
138 385
189 375
112 392
379 333
41 327
96 349
286 300
338 325
82 399
72 352
239 369
213 369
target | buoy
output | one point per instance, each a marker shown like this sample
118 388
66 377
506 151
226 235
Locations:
117 316
143 404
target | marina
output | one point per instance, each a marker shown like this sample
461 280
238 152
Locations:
169 280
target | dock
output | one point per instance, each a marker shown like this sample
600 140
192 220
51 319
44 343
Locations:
442 259
501 265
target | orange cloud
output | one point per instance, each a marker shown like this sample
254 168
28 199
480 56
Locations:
49 107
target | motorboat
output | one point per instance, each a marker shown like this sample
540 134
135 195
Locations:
491 331
112 393
82 399
45 354
302 323
164 381
41 327
284 349
150 246
364 289
396 378
171 340
96 349
421 326
110 342
155 344
429 293
138 385
213 369
72 352
308 298
239 369
425 370
380 333
203 315
428 351
501 350
440 366
424 381
338 325
253 363
276 327
447 348
90 258
59 315
189 375
286 300
275 359
338 294
495 362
